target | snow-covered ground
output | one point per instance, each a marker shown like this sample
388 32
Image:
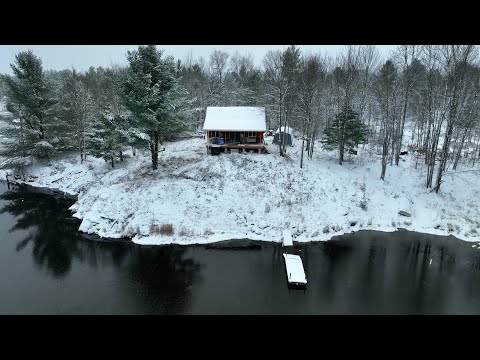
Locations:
233 196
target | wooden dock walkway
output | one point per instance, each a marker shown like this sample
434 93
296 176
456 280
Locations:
287 238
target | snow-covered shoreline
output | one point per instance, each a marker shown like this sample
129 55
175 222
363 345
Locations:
208 199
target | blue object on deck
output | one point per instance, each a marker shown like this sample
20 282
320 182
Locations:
218 141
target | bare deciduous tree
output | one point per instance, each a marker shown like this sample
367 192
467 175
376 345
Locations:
311 75
218 64
455 60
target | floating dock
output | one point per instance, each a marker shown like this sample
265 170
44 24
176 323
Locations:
287 238
295 272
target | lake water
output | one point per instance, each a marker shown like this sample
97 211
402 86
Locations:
47 267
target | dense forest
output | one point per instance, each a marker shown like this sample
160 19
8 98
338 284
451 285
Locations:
354 99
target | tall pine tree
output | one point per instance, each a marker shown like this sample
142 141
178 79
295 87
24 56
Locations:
28 96
346 131
29 101
147 94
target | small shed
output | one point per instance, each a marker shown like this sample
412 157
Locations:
284 135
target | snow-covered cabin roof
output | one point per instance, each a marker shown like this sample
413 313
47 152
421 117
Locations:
235 118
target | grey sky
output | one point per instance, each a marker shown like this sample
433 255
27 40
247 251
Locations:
81 57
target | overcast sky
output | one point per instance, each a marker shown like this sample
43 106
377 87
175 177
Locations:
81 57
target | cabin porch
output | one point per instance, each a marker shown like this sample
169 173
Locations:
239 140
227 148
235 137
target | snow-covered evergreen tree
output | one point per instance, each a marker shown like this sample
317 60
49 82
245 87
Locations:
108 139
29 103
148 94
346 131
93 101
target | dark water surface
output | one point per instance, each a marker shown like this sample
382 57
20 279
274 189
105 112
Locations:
47 267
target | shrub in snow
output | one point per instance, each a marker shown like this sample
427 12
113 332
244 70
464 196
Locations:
363 186
129 232
185 233
363 205
166 229
208 232
59 167
43 149
451 227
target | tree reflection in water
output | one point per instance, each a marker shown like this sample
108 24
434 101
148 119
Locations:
53 234
161 277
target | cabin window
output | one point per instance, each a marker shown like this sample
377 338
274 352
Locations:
215 134
252 133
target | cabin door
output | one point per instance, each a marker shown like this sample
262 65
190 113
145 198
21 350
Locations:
235 136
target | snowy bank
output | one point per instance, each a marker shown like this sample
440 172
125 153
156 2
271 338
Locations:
195 198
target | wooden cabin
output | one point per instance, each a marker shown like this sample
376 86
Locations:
237 127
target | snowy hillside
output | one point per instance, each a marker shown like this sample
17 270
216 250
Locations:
210 198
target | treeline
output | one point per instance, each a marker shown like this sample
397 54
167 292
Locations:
100 112
358 98
354 98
